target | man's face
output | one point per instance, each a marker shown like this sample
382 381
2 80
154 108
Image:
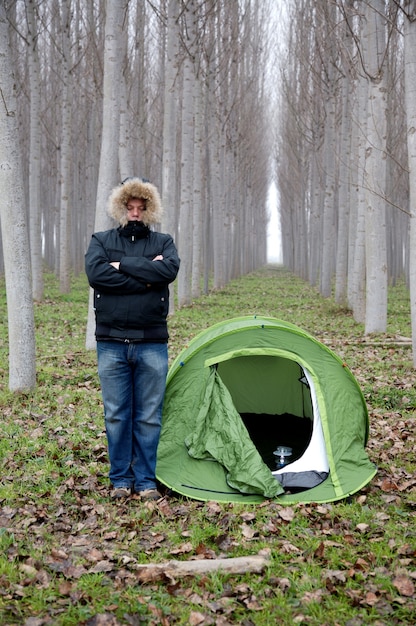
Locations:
135 208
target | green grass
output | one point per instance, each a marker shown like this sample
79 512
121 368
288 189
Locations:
69 556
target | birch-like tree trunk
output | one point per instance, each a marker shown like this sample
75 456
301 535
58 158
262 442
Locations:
217 151
187 156
344 159
108 175
34 154
410 85
15 236
198 188
170 101
329 164
65 152
375 169
125 155
356 277
170 98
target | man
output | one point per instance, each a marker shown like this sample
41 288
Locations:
130 268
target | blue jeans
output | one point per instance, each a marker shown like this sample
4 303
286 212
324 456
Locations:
133 379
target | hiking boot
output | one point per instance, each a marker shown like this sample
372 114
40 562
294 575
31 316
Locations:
120 492
150 494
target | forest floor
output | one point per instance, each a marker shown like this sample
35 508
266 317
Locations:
70 556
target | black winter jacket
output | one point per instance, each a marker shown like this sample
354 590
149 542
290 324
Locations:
131 303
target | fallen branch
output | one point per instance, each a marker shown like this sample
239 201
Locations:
397 342
175 569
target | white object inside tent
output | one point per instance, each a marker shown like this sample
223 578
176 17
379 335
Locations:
314 458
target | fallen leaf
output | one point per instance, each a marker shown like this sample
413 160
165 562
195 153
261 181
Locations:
252 603
196 618
35 621
287 514
281 583
313 596
370 598
59 554
204 552
362 528
404 585
249 532
389 485
248 517
101 566
361 564
334 576
289 547
224 542
183 549
28 570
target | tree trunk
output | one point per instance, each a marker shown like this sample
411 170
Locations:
375 171
34 155
356 278
329 163
344 159
187 157
197 190
65 154
15 238
410 82
169 161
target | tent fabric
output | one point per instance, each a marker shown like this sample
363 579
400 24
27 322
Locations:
259 367
220 435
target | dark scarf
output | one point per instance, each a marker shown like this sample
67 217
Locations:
134 230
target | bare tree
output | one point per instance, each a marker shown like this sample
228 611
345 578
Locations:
374 53
187 152
410 81
22 366
356 231
66 199
344 164
35 153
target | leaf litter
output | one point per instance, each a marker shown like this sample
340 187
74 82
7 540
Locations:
353 561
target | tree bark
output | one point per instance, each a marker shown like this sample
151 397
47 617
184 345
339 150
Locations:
410 82
375 170
15 237
66 197
34 154
187 156
177 569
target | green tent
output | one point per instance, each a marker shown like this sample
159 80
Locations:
242 388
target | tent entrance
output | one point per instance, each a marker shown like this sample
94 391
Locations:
276 400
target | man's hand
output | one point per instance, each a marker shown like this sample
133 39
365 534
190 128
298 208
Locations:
116 264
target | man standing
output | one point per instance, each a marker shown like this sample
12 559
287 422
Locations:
130 268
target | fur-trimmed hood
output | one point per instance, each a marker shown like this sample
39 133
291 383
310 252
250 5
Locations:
135 188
